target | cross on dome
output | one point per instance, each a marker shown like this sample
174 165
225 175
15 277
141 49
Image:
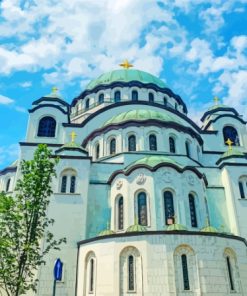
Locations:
73 136
216 100
54 89
229 143
126 65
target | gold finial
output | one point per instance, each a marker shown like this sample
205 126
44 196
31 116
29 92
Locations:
73 136
54 89
216 100
229 143
126 65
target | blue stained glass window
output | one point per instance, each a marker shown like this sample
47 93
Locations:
72 184
117 96
47 127
193 217
64 184
120 213
172 146
169 206
185 272
231 133
131 275
101 98
142 208
132 143
134 95
113 146
151 97
152 142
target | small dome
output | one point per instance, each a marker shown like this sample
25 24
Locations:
54 94
232 152
209 229
125 75
141 115
106 232
217 107
136 227
73 145
176 226
152 161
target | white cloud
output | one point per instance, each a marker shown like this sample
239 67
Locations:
5 100
26 84
8 154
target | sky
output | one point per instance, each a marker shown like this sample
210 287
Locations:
199 48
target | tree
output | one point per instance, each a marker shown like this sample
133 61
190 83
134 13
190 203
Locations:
24 224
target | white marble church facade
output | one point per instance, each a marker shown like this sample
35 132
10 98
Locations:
150 203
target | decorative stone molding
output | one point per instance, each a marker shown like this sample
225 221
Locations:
119 184
141 179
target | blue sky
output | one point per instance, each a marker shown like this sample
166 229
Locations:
198 47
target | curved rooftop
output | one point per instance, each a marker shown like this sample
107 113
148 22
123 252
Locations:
125 75
141 115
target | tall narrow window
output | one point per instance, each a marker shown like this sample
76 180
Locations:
64 184
132 143
187 147
117 96
231 133
172 146
97 151
131 273
185 272
142 208
152 143
91 276
8 185
151 97
193 217
87 104
169 207
113 146
72 184
165 101
241 189
120 213
229 269
47 127
176 106
134 95
101 98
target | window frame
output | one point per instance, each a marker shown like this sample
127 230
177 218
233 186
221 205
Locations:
54 129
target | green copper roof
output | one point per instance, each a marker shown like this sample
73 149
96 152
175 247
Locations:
72 145
209 229
141 114
153 160
106 232
136 228
176 226
125 75
217 106
232 152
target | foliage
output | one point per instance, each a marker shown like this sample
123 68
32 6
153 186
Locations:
24 223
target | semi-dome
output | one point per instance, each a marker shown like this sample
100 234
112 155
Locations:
176 226
125 75
141 115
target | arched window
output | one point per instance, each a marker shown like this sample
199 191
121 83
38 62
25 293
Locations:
120 212
131 274
8 185
113 146
142 208
101 98
47 127
193 217
176 106
152 143
151 97
87 104
187 147
232 269
229 269
165 101
242 184
172 145
64 184
97 151
90 274
132 143
231 133
134 95
185 272
169 207
117 96
68 181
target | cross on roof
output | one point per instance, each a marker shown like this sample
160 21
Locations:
229 143
73 136
125 64
216 100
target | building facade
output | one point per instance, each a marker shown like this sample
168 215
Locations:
150 203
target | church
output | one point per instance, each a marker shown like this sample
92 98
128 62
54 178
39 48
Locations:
150 203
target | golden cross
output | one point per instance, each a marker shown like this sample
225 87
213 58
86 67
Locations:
125 64
216 100
54 89
73 136
229 143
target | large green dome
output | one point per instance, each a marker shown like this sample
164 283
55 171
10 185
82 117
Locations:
140 114
125 75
